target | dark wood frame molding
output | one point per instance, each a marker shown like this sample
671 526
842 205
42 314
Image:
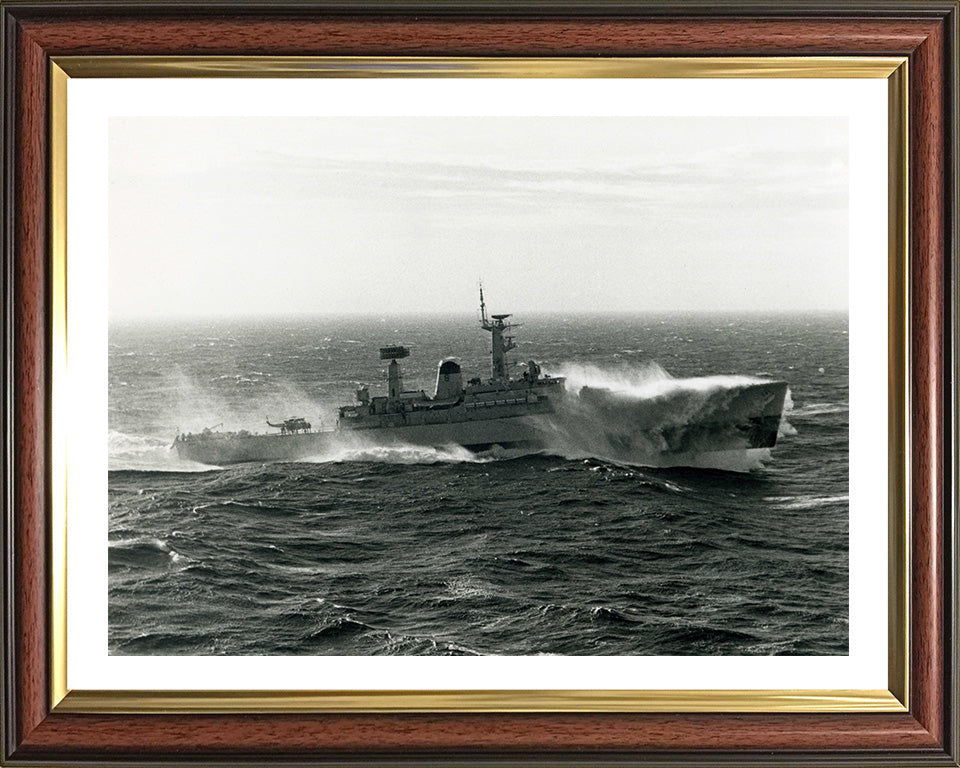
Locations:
926 32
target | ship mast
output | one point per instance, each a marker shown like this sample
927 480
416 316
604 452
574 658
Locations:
502 340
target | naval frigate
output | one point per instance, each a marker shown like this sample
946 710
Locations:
533 411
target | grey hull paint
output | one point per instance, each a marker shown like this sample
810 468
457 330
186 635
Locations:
232 449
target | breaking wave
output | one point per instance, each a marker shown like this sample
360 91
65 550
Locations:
645 416
140 452
647 380
810 410
141 552
349 450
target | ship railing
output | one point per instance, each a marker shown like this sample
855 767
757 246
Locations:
493 403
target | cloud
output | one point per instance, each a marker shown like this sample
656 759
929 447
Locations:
760 207
760 178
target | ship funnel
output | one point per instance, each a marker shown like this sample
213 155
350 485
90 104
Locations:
449 381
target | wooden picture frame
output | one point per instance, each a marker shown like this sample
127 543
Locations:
39 730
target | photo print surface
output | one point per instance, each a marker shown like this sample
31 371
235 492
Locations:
478 386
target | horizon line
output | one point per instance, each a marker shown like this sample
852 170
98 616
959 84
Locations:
370 314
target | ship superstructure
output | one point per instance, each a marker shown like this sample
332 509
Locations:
476 415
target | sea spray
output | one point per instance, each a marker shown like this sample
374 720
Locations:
145 454
647 380
184 403
349 447
193 405
642 415
786 428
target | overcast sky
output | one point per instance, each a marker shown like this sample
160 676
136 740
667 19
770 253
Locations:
255 216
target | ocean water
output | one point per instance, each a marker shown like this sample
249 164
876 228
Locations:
409 550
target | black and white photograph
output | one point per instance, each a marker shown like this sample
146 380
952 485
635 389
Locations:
486 386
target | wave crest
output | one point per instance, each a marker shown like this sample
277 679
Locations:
644 416
400 453
145 454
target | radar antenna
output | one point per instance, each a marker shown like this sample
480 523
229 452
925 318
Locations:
502 339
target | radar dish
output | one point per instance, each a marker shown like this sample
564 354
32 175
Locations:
393 353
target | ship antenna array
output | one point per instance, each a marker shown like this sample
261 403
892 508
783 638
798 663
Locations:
483 307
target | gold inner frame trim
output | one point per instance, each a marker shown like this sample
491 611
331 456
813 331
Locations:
132 702
893 69
58 372
432 66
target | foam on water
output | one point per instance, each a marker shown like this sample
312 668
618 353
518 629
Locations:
146 454
356 448
810 410
142 552
350 447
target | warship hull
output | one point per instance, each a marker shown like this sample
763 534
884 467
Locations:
596 422
228 448
220 449
676 425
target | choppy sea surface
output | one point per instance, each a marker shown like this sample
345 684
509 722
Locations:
405 550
